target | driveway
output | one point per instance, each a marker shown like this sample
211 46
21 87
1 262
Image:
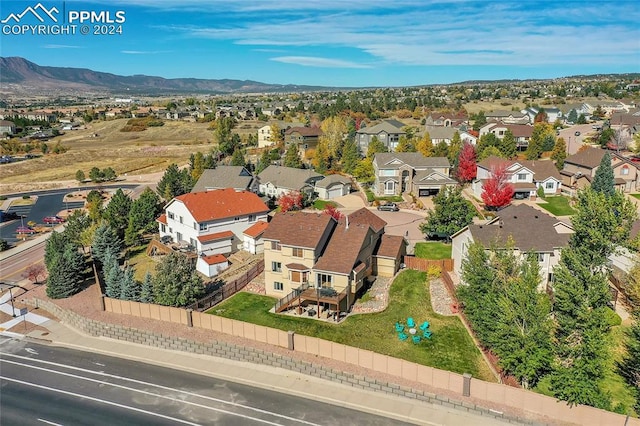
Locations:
574 143
404 223
350 202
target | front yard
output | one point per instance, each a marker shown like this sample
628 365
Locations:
450 348
558 206
433 250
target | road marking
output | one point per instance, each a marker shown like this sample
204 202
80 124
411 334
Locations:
101 401
101 382
31 351
49 423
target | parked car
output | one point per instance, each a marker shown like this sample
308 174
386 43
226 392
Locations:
25 230
389 207
53 220
577 133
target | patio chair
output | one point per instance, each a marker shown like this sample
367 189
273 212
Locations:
424 326
399 327
410 322
427 334
416 339
402 336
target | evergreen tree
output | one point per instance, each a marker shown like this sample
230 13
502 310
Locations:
536 142
175 281
548 142
113 275
559 153
451 213
174 182
604 180
441 149
488 140
572 117
292 157
76 224
130 289
264 161
146 292
629 366
237 158
105 239
54 246
350 156
375 146
142 216
507 145
80 176
65 273
479 120
117 212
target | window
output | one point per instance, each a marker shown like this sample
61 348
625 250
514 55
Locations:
252 218
298 252
193 242
236 219
522 176
195 225
389 187
550 185
387 172
163 228
278 286
276 266
180 219
624 171
540 257
324 280
203 226
171 215
178 236
275 245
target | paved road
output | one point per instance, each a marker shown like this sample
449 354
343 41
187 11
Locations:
12 269
43 384
574 143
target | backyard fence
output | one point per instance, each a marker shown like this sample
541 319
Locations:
227 289
420 264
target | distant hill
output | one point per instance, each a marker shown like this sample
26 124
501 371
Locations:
28 75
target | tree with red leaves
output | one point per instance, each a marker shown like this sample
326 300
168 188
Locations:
332 211
291 200
35 272
467 167
497 191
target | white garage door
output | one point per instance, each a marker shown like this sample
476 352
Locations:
334 192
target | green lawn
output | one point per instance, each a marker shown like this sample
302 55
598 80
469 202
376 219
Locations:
450 348
141 263
433 250
321 204
391 199
558 206
635 196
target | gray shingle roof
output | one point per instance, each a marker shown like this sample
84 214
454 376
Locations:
236 177
388 126
331 180
288 177
413 159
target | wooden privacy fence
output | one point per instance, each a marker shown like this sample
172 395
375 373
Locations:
420 264
463 385
227 289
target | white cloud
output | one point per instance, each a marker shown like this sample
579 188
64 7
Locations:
61 46
311 61
144 52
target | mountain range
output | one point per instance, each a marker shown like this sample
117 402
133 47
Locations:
26 75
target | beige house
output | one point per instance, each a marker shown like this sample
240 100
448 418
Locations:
531 231
580 169
314 259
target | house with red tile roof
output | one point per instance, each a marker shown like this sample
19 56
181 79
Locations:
212 222
212 265
314 259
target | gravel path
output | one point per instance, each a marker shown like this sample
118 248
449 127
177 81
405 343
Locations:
379 297
440 299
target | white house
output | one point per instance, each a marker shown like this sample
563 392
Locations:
252 237
526 176
278 180
531 231
211 265
212 222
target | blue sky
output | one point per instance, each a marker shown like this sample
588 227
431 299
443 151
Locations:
353 43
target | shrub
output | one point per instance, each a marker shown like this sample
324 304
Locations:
3 197
26 197
540 192
370 197
612 318
434 271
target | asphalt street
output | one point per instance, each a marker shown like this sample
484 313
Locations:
50 385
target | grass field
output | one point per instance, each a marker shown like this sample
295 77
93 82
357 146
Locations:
636 196
321 204
433 250
558 206
450 348
141 263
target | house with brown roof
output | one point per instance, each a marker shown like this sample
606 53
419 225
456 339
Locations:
314 259
212 222
526 176
306 138
521 132
530 230
580 169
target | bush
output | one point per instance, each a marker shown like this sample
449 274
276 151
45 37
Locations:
434 271
3 197
370 197
26 197
540 192
612 318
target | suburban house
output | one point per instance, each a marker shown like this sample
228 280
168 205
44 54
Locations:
507 117
277 180
306 138
469 136
7 127
388 132
212 222
525 175
397 173
333 186
236 177
445 120
530 230
211 265
521 132
314 259
264 132
553 114
441 134
580 169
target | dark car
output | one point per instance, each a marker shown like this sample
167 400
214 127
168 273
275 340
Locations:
389 207
53 220
25 230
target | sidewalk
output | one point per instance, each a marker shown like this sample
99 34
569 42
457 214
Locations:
265 377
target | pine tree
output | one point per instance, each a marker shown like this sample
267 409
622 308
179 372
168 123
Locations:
292 157
65 273
130 288
450 214
113 275
375 146
629 366
507 145
143 214
350 156
54 246
117 212
237 158
441 149
174 182
105 239
559 153
604 180
146 292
